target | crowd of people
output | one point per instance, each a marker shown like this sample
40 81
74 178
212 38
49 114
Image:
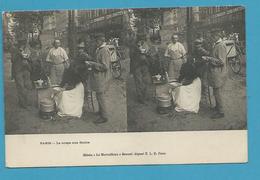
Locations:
70 80
195 71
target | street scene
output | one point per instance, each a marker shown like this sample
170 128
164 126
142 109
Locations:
57 80
125 70
188 70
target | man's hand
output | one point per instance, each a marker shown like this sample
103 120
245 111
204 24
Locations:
205 58
89 63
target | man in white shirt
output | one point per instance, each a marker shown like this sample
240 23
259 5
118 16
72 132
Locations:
175 53
58 60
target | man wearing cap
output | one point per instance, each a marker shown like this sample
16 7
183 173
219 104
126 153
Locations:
217 72
80 68
81 57
175 52
58 60
21 72
100 76
199 50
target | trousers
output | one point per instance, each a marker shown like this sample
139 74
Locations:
23 85
142 80
102 104
56 73
218 93
174 69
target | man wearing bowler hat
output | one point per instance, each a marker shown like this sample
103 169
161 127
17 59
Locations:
101 76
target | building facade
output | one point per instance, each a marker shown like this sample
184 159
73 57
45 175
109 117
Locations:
230 19
55 27
174 22
111 22
115 23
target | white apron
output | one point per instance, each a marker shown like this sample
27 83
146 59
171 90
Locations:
70 102
187 98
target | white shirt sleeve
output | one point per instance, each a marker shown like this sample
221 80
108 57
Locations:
48 56
182 49
64 55
166 54
183 53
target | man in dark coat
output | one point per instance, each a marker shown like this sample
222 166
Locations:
140 68
217 72
101 76
21 71
36 61
79 64
199 50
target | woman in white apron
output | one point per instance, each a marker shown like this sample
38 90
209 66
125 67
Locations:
70 97
187 96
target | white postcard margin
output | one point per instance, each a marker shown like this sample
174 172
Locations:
184 147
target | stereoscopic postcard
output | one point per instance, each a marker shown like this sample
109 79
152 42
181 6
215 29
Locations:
130 86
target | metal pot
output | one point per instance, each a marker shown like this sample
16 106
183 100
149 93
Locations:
47 106
164 101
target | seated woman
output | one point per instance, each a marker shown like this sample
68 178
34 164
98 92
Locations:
70 97
187 96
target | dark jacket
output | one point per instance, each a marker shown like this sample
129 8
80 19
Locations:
19 63
80 66
199 51
138 58
37 64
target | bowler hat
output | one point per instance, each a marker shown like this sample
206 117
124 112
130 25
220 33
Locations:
198 41
100 36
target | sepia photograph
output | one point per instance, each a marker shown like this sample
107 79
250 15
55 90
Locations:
125 86
64 72
187 70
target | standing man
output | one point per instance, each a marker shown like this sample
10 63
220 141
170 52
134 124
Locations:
217 72
81 69
79 64
175 53
36 60
59 61
140 68
21 71
101 76
199 50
